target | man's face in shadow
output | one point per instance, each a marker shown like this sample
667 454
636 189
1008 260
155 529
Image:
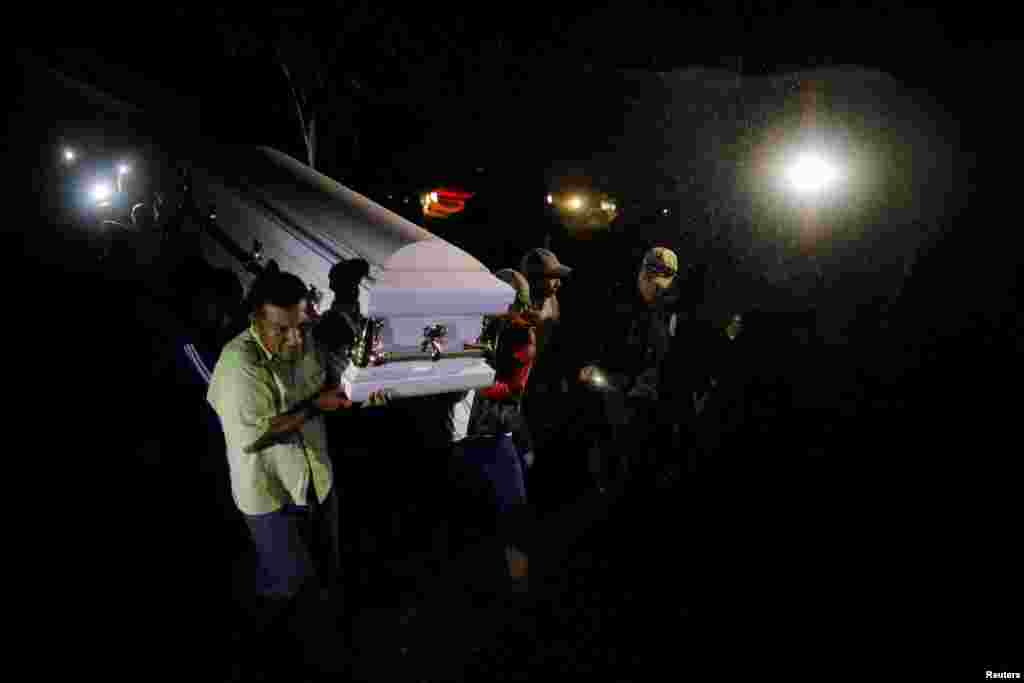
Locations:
654 286
282 330
547 287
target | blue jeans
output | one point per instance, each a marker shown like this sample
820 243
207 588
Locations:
296 544
500 464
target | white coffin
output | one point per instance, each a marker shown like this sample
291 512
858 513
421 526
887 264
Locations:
307 222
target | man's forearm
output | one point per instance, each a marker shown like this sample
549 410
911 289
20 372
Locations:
285 423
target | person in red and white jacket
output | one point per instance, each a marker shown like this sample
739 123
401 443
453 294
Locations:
498 436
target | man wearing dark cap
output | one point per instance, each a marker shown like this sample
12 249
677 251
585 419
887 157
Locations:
542 401
629 362
544 273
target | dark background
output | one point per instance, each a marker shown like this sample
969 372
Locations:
431 97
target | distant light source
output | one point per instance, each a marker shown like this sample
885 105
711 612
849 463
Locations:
575 203
124 169
69 154
101 192
734 327
811 173
597 380
550 199
434 197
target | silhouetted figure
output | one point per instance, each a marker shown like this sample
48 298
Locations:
496 441
627 361
545 399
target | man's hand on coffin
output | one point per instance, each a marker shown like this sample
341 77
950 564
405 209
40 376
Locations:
330 399
378 399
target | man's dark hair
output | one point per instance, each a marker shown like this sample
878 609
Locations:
349 272
278 289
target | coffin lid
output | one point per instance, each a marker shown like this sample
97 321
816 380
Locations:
415 271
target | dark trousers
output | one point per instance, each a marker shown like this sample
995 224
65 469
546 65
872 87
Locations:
298 552
500 464
558 430
297 544
489 474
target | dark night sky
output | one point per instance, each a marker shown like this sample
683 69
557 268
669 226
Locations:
508 90
180 52
505 90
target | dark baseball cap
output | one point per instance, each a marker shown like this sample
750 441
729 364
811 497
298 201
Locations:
543 263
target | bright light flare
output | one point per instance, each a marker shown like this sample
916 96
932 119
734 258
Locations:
550 199
124 169
101 192
598 381
812 173
69 155
575 203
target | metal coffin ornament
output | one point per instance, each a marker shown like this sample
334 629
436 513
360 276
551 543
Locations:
424 302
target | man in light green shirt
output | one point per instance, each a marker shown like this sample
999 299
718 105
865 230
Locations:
268 391
269 382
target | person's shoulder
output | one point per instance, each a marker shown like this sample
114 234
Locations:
241 352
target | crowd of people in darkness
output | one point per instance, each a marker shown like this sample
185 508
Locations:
620 389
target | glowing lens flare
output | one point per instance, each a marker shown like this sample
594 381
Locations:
101 192
69 155
575 203
811 173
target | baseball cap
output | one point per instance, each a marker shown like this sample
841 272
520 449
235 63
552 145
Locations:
662 263
541 262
